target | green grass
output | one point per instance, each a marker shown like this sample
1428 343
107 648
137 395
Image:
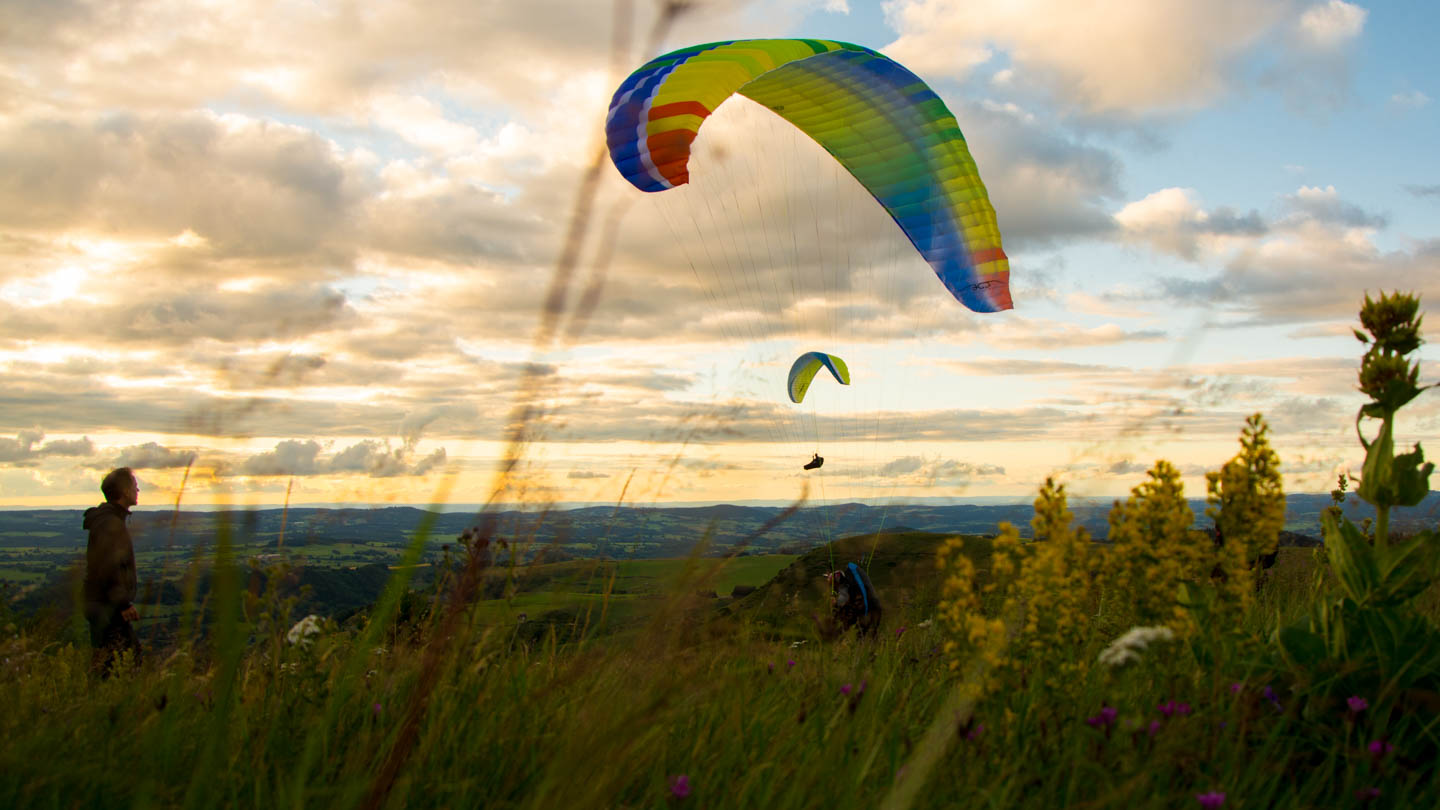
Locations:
742 697
611 596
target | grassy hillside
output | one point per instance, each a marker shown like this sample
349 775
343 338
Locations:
643 684
593 597
901 564
465 714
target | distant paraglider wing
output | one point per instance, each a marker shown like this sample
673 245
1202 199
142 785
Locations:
803 370
879 120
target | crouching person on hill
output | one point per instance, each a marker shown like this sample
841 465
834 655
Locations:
853 601
110 583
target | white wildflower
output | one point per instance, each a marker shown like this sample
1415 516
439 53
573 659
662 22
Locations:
304 631
796 644
1128 647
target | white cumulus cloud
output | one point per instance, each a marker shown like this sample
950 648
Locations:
1101 57
1332 24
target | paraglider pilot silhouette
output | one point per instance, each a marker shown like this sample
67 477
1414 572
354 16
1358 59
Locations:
802 372
110 584
853 601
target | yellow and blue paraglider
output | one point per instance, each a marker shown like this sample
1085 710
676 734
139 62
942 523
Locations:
879 120
803 371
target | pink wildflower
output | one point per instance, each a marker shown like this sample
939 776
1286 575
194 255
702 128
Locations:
1357 704
1367 794
376 709
1170 708
1154 727
844 688
1105 719
1379 748
1210 801
1273 698
680 786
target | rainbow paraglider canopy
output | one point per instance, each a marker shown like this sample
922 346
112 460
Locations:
879 120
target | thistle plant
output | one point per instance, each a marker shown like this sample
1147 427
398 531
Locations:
1390 378
1337 497
1372 570
1371 640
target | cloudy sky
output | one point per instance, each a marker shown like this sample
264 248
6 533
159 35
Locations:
307 247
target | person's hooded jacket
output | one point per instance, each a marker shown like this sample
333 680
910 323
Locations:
109 558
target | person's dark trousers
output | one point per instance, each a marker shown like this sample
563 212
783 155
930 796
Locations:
110 634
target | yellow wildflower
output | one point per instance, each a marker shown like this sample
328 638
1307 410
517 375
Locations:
1051 593
971 634
1151 553
1247 503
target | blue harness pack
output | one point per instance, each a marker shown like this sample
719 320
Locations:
860 583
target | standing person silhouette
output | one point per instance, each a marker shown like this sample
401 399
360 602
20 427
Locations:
110 583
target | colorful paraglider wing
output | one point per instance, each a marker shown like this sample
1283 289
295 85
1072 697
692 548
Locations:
879 120
802 371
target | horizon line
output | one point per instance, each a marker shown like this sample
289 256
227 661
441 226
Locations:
980 500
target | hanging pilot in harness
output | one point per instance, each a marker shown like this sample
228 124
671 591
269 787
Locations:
853 600
802 372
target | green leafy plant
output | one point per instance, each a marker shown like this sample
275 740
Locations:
1371 639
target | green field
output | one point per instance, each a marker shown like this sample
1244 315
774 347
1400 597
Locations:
601 596
752 700
652 683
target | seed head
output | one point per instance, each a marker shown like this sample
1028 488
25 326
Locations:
1136 640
